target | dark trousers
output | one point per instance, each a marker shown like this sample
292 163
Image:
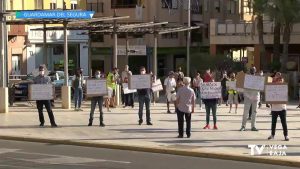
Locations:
144 100
40 104
250 111
180 119
128 98
282 115
211 106
94 102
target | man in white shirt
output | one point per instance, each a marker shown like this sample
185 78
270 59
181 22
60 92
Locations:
128 98
170 85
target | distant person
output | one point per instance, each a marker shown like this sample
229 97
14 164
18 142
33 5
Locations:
128 98
94 101
179 74
44 79
170 90
197 82
233 97
77 86
251 98
112 85
185 107
210 104
224 98
279 110
144 96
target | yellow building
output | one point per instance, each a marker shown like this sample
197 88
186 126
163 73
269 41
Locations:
25 45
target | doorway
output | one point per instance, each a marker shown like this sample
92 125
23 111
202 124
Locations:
16 65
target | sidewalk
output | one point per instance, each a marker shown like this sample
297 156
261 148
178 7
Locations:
122 132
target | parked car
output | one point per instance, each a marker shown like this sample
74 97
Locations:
19 89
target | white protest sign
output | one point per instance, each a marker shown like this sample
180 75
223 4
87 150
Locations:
157 86
96 88
140 81
231 85
211 90
254 82
126 90
276 93
41 92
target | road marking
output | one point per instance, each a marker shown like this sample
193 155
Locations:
61 159
15 166
6 150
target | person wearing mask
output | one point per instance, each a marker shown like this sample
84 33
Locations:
233 97
169 86
210 104
144 97
42 78
251 98
278 110
185 104
94 101
224 98
77 86
128 98
112 85
197 81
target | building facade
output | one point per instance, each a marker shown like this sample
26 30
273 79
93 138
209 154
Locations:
172 47
25 43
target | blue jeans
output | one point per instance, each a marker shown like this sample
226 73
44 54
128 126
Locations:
144 100
94 102
78 97
211 107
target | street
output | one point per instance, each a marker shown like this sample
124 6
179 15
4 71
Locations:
26 155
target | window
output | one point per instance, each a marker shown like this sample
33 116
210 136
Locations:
53 4
38 4
95 5
196 35
197 7
171 4
173 35
217 4
97 38
124 3
231 6
247 7
73 4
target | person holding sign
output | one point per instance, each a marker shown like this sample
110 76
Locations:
144 96
170 85
210 104
278 110
77 86
94 101
128 98
251 99
185 105
43 79
196 85
112 78
233 97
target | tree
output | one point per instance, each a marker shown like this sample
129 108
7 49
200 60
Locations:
259 9
288 14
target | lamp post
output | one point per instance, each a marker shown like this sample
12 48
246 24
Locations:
188 43
3 76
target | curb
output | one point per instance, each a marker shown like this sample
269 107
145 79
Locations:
221 156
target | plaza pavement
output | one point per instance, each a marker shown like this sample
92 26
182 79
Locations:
122 132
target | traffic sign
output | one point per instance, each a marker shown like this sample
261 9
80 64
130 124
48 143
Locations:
54 14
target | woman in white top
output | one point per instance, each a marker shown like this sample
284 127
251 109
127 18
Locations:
278 110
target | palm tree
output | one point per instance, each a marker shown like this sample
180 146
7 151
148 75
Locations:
259 9
288 14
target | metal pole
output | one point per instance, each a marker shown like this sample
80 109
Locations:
66 60
45 51
188 40
127 48
115 55
155 56
2 46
